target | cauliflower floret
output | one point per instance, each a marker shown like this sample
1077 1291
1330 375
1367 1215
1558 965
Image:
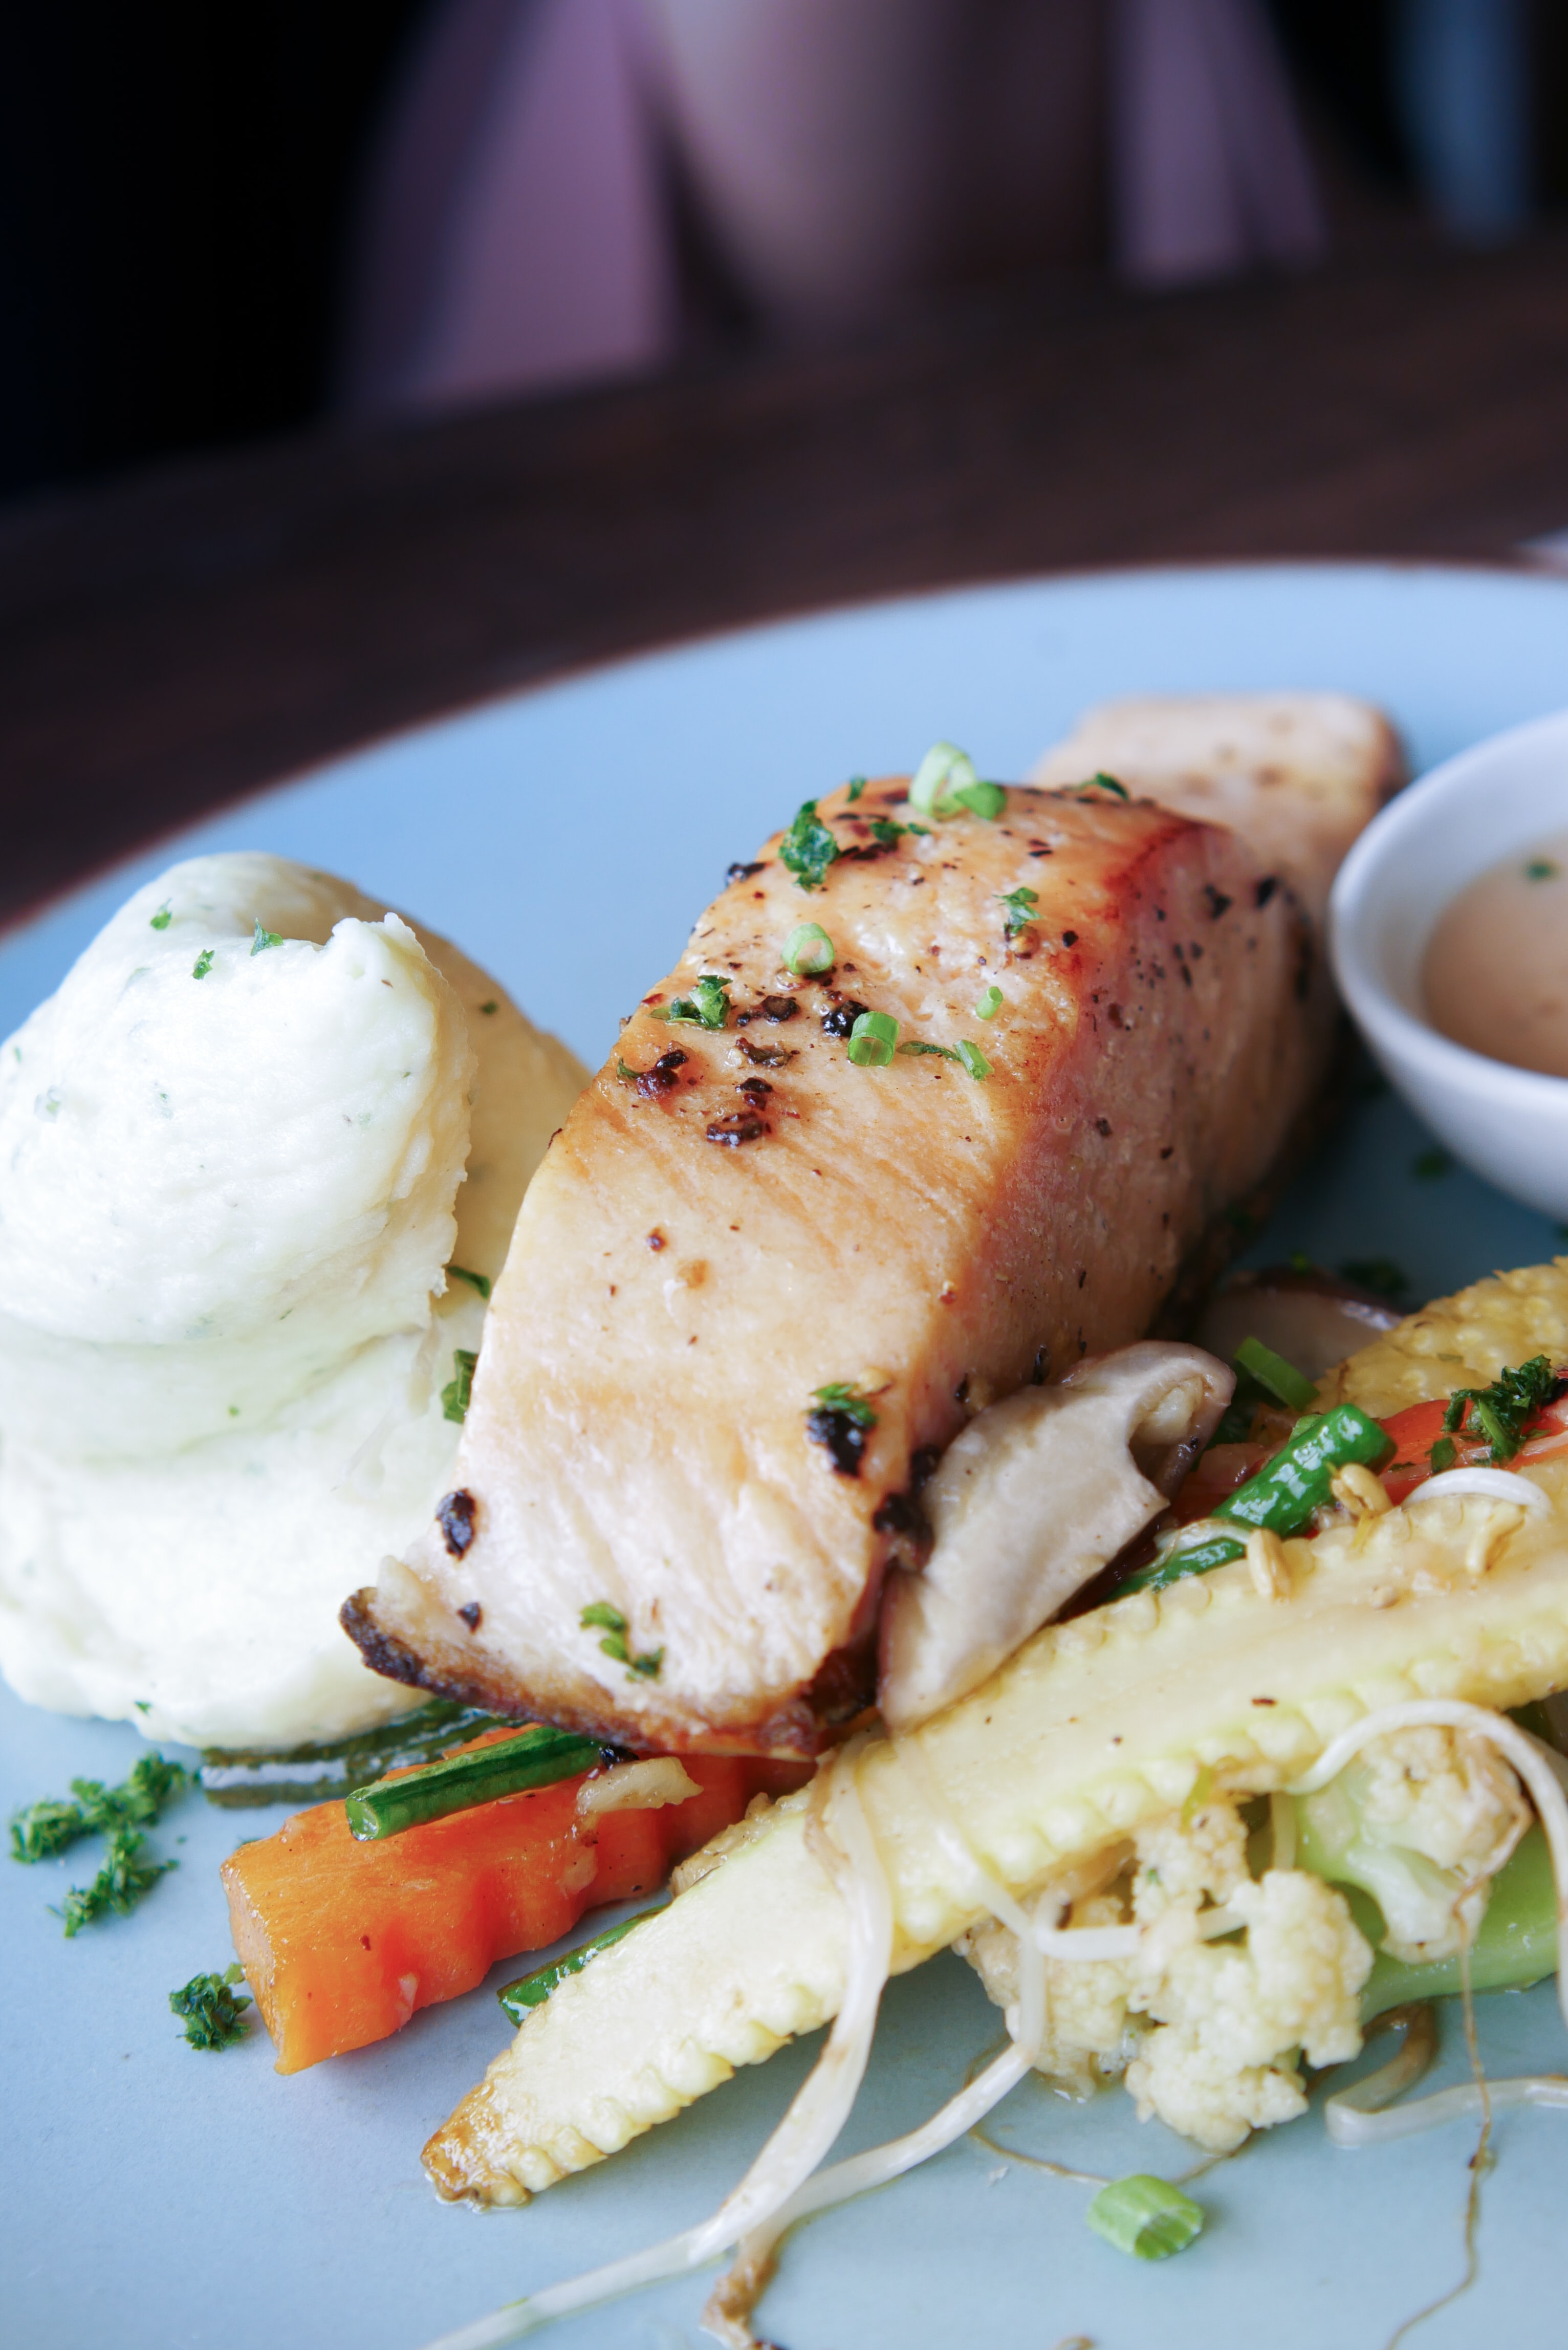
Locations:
1231 2018
1182 1858
1421 1820
1088 2037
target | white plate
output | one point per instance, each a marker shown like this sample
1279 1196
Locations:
154 2197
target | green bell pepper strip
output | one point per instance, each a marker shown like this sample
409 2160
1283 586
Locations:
1282 1496
537 1757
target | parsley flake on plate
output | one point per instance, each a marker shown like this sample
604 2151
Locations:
211 2012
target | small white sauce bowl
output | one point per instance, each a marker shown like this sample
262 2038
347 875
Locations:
1506 794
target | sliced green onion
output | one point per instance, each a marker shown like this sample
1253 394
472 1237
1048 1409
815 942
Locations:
162 918
989 1005
944 772
1281 1380
988 800
537 1757
601 1617
872 1039
532 1990
857 785
1103 783
202 965
1147 2217
973 1060
916 1046
264 939
808 951
480 1281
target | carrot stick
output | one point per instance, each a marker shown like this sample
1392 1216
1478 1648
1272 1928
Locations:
342 1941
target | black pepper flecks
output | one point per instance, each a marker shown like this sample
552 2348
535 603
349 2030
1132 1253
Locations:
455 1516
841 1020
735 1127
779 1007
663 1077
765 1057
1265 888
743 872
1218 900
473 1615
841 1437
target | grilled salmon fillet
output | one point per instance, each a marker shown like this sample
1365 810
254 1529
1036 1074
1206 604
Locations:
755 1288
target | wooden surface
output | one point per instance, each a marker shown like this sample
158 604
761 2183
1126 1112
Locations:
173 641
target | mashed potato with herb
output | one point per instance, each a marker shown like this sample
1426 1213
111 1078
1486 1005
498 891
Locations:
239 1150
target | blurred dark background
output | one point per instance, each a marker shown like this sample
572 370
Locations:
180 186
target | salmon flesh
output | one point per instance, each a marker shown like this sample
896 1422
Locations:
760 1282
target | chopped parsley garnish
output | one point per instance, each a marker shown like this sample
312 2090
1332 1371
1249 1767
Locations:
1102 782
989 1005
857 785
480 1281
1542 868
707 1006
627 1075
843 1394
212 2014
973 1060
119 1884
51 1826
264 939
162 918
488 1008
809 847
202 965
1020 904
46 1828
840 1419
872 1039
808 951
459 1390
598 1615
1442 1455
1503 1413
886 833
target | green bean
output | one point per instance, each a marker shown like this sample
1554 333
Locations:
1282 1497
537 1757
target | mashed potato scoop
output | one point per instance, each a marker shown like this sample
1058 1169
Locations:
239 1150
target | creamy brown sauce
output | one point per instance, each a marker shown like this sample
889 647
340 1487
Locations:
1496 972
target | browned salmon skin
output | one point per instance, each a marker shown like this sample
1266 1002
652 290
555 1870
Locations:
735 1220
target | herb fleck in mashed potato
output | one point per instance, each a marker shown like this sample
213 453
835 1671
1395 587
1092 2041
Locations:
238 1149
